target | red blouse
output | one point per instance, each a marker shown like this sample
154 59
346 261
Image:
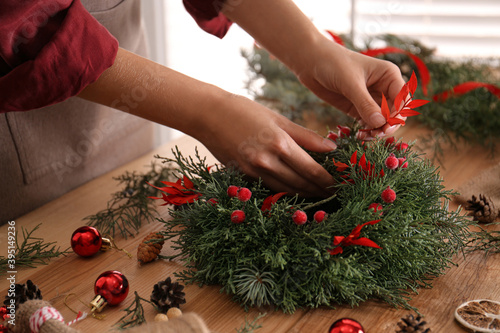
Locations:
50 50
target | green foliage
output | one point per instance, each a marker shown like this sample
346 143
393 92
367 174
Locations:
470 118
485 240
32 251
130 206
134 313
269 260
250 327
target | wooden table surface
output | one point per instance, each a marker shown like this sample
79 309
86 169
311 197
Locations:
475 277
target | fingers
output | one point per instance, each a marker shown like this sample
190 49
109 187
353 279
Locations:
309 139
284 166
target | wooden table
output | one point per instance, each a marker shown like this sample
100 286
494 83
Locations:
475 277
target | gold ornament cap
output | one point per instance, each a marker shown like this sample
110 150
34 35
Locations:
106 244
97 304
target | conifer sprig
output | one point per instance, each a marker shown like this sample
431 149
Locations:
30 252
130 206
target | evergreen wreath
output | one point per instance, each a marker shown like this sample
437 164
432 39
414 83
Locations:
386 231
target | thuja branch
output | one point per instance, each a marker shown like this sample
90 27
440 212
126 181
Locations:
32 251
130 206
250 327
485 240
134 313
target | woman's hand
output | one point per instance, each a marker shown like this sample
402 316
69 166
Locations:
239 132
261 143
352 82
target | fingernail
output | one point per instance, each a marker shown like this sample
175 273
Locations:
330 144
377 120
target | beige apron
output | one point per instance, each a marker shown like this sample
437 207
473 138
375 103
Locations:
45 153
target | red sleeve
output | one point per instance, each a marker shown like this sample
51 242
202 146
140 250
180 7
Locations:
53 50
207 15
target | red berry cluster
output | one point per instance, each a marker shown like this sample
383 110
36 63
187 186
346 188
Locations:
300 217
242 193
343 132
392 162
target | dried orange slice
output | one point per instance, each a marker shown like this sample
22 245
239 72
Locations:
482 315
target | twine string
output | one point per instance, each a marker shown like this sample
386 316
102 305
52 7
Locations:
113 245
47 313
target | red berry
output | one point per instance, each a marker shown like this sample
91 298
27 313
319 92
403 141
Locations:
299 217
213 202
405 165
402 146
388 195
344 131
392 162
319 216
389 141
376 207
232 191
332 136
244 194
238 216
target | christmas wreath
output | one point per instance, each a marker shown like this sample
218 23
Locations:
385 231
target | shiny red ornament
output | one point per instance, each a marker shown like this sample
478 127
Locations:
112 286
346 325
87 241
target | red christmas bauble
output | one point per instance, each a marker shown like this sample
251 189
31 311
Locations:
112 286
346 325
86 241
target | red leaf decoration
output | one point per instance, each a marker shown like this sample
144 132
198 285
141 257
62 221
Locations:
270 201
409 113
402 95
354 158
395 121
416 103
412 83
385 108
176 193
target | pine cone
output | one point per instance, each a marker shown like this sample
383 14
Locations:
23 292
147 252
167 295
411 324
483 210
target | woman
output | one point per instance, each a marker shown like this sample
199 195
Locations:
55 50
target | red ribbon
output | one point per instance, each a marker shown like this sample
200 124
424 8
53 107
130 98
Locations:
425 77
465 88
353 239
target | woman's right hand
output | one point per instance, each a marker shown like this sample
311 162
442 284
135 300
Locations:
261 143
